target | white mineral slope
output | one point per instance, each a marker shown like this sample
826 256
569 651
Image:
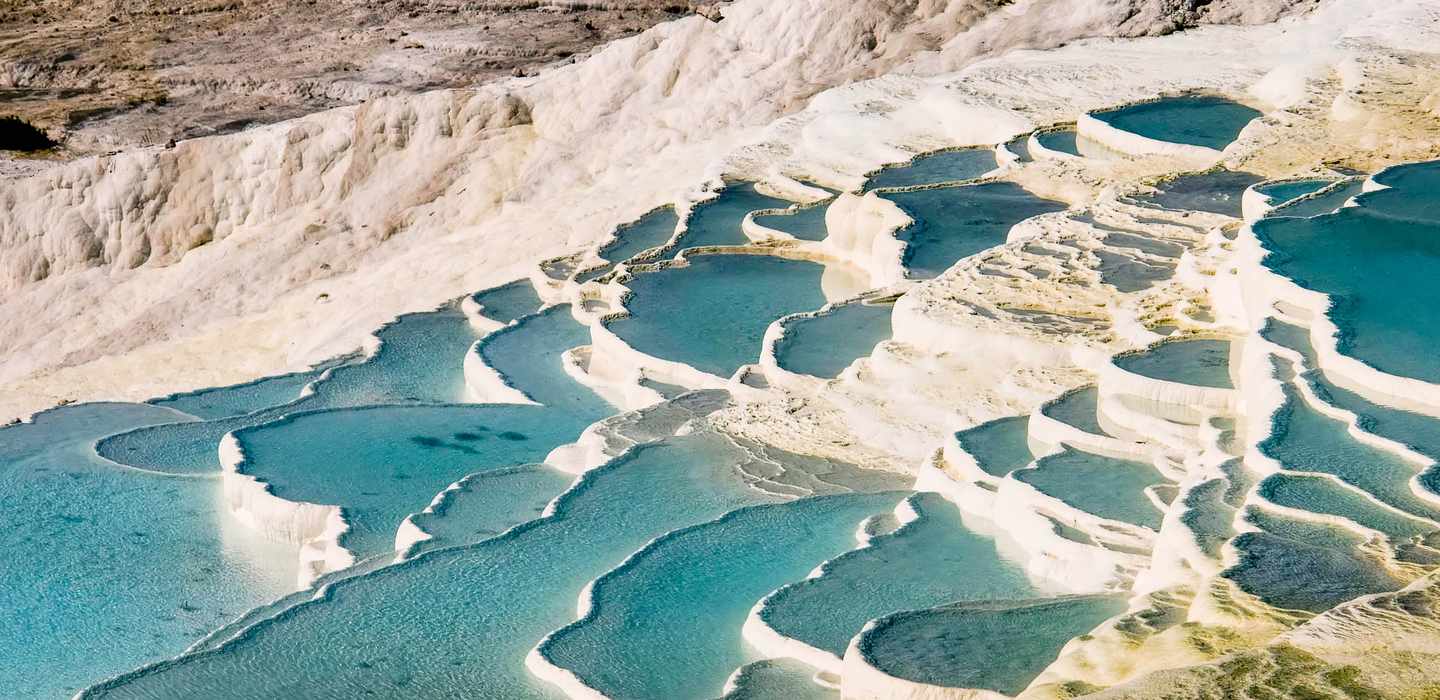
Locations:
229 257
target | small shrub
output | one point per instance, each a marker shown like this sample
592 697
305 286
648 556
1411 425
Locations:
16 134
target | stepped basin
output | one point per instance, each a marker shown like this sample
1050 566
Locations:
1281 193
420 360
993 645
1419 432
1078 409
1000 446
1060 140
1196 120
667 623
1200 362
413 630
777 679
527 357
1216 191
952 223
383 463
1301 565
107 568
1101 486
928 561
1325 202
935 168
1208 516
485 504
807 223
1324 496
508 302
825 344
740 295
1397 234
240 399
652 230
1305 440
717 221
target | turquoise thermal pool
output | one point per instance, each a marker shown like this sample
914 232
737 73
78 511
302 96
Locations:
741 294
825 344
717 221
1202 362
1396 232
935 168
928 561
1210 122
952 223
999 645
806 223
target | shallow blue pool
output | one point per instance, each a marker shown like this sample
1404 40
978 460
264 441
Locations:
1300 565
509 301
1203 362
935 168
652 230
1062 140
932 560
108 568
1211 122
1218 191
667 624
824 345
1374 260
413 630
955 222
994 645
1000 446
240 399
1078 409
527 355
806 223
383 463
1102 486
717 221
740 296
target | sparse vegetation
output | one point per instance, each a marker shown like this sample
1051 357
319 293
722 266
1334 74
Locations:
16 134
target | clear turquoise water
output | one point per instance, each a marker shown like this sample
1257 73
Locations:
383 463
649 231
106 568
1212 122
1282 192
927 562
1320 495
1217 191
667 624
717 221
1000 446
778 679
1306 440
935 168
240 399
420 360
1063 140
486 504
823 346
1203 362
527 357
455 621
1298 565
1209 516
1324 203
741 295
1374 260
1077 409
994 645
806 224
509 301
955 222
1102 486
